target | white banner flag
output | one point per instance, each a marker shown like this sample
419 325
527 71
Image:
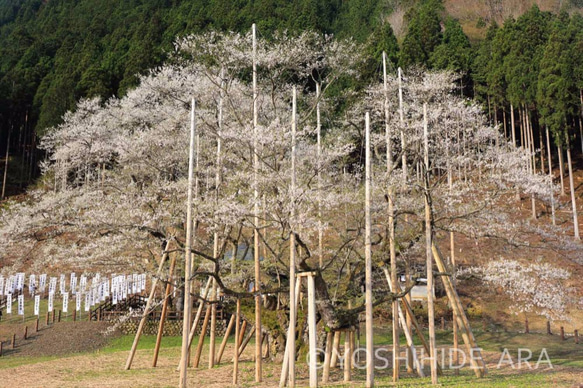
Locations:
66 302
42 282
20 304
9 304
37 305
78 301
87 302
51 300
1 285
62 285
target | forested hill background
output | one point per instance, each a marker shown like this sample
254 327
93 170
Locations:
54 52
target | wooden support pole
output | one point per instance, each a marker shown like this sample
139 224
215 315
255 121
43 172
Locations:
146 310
74 315
312 331
327 357
246 340
549 332
347 357
429 259
576 336
200 344
335 349
477 362
59 318
1 346
284 377
225 339
236 347
47 319
258 299
36 326
562 333
201 303
13 341
164 312
408 336
26 332
53 316
242 332
184 354
368 260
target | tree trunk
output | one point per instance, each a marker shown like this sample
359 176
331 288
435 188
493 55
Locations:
512 125
6 166
561 169
572 187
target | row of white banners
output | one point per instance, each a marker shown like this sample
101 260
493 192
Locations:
92 291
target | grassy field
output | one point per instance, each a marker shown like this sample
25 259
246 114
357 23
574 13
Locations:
104 367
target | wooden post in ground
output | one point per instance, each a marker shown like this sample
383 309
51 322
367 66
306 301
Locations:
13 341
59 317
47 320
146 310
225 339
164 312
236 347
327 358
576 336
562 333
1 346
53 316
205 323
549 332
74 315
36 326
26 332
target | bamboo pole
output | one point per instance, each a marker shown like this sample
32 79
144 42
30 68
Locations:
146 310
312 331
183 383
164 312
368 260
225 339
429 262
